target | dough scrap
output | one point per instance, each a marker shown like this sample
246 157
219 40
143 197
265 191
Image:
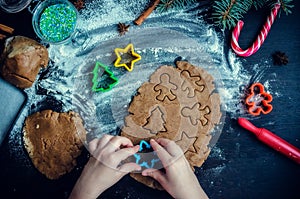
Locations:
54 141
21 61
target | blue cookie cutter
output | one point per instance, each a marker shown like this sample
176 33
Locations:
138 157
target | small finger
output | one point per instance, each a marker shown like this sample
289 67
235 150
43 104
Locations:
104 140
156 174
124 153
118 141
163 155
93 145
170 146
129 167
98 144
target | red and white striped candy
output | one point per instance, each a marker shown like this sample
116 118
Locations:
260 39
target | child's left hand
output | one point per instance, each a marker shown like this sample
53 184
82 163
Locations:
103 169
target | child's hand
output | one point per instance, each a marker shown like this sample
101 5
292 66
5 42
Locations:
179 179
103 169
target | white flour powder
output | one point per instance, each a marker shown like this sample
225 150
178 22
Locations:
161 39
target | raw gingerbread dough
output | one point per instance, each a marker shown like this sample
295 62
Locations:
178 104
21 61
54 141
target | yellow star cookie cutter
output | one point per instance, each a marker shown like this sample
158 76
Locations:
126 57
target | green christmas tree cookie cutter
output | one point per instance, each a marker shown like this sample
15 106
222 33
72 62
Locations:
103 85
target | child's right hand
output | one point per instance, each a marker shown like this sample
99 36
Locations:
179 180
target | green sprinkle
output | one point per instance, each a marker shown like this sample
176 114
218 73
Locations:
57 22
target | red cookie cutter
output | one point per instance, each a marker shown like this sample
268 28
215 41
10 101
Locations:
258 100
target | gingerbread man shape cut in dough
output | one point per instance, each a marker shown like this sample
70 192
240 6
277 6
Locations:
196 113
165 88
192 85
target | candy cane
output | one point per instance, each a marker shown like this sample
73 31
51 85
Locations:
260 39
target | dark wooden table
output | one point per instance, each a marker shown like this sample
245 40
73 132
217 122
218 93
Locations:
248 169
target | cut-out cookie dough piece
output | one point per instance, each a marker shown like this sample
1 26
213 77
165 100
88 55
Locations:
156 121
206 83
182 97
184 142
206 78
134 131
207 97
165 88
192 83
196 113
202 150
176 79
193 139
141 110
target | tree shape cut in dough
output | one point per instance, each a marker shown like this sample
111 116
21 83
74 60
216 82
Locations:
155 122
196 113
165 88
192 84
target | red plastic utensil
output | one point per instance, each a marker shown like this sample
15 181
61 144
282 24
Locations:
272 140
258 100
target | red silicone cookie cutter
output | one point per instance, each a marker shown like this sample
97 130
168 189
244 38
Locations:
258 100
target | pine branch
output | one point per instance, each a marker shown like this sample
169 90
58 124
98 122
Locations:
260 3
286 5
227 12
165 5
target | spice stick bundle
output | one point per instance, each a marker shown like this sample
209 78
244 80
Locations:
2 36
6 29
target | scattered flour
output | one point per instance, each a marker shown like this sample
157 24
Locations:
160 40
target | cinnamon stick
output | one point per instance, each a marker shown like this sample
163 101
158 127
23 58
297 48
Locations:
6 29
146 13
2 36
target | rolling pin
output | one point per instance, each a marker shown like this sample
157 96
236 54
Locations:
272 140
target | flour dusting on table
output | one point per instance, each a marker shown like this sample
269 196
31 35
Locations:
162 38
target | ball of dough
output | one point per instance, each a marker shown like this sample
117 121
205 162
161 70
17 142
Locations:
21 61
54 141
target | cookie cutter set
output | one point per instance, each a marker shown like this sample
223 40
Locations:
125 58
53 21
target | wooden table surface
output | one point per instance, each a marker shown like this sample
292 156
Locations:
249 169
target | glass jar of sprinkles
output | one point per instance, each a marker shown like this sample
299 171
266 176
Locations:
54 21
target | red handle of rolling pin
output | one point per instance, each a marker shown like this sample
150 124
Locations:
272 140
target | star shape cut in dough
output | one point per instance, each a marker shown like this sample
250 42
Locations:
126 57
185 141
